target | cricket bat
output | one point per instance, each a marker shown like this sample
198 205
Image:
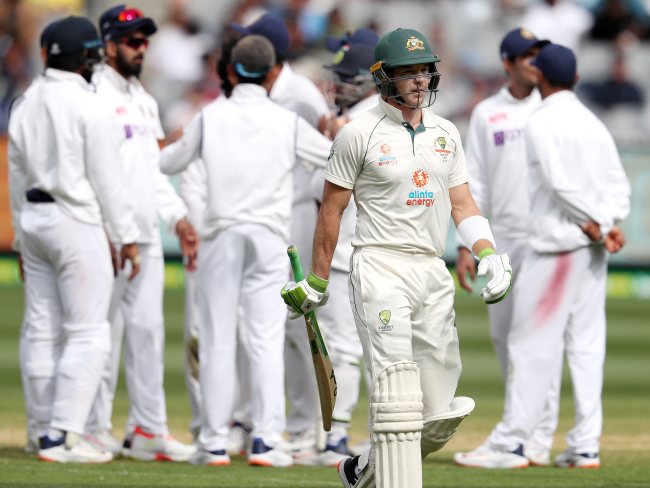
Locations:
325 378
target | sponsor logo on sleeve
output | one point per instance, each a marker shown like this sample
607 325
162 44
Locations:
440 146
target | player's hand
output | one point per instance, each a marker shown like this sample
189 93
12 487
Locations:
499 274
614 240
130 252
465 265
189 241
306 295
592 230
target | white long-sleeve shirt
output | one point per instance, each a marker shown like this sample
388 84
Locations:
194 192
249 146
298 93
136 115
63 140
575 174
495 151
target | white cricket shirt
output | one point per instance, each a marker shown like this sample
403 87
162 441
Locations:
575 174
63 140
249 146
400 177
136 116
496 160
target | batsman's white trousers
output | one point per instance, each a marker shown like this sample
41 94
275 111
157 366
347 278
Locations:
559 306
68 278
344 347
403 308
136 316
191 333
302 393
243 265
501 323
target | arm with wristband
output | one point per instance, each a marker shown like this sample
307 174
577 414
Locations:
474 231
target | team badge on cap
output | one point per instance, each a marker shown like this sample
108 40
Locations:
414 44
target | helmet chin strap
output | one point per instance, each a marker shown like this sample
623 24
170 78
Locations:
433 94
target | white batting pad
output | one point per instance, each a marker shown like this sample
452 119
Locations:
439 429
396 416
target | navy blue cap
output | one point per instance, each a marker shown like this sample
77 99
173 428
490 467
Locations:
71 35
557 64
353 60
45 35
360 36
272 28
121 20
517 42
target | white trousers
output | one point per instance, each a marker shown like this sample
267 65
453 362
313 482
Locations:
191 333
344 347
136 316
245 265
559 306
403 308
302 393
66 336
501 323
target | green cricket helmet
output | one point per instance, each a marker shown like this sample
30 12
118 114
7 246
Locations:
403 47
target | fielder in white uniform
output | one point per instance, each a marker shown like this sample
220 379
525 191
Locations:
496 152
249 146
136 311
63 182
578 193
297 93
406 168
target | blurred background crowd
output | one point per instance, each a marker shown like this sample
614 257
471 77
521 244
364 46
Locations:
611 39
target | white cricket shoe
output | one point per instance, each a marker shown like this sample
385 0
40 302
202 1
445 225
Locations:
334 453
151 447
571 459
346 470
263 455
210 458
302 446
537 457
485 457
32 446
71 449
238 439
103 440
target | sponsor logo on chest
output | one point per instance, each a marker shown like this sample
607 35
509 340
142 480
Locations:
502 137
420 196
386 158
441 147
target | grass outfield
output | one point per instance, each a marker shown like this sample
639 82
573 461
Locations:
625 445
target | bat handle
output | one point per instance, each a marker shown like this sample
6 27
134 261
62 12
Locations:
296 267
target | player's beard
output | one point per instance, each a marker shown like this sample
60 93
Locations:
128 68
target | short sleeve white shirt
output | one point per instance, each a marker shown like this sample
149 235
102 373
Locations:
400 177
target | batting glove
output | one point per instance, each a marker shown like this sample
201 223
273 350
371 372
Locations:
304 296
499 274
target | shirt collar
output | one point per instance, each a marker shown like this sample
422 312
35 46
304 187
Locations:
428 117
125 85
60 75
248 91
507 95
561 96
281 82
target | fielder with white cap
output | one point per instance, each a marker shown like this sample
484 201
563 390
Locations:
406 168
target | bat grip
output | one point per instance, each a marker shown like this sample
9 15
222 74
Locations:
296 267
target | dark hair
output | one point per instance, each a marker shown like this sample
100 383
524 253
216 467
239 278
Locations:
230 39
558 84
67 62
246 79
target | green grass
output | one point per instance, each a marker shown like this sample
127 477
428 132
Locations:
625 444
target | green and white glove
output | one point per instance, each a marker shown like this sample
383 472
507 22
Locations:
499 275
305 296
